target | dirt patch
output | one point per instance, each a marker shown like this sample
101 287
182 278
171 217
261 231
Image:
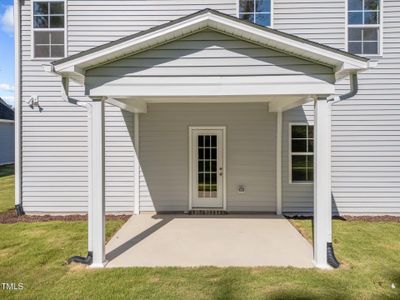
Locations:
385 218
10 217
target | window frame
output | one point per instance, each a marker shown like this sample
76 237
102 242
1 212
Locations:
291 124
379 26
33 30
271 13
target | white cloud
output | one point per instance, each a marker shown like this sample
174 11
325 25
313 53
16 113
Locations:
7 20
5 87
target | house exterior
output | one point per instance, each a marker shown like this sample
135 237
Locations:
6 133
274 106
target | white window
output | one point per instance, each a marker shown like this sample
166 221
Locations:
256 11
48 23
364 26
301 162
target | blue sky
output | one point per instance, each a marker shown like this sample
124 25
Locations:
6 52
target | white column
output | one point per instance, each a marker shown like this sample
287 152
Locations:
97 185
322 182
136 209
90 179
279 163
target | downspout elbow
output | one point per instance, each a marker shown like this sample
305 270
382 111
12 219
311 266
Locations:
353 90
65 96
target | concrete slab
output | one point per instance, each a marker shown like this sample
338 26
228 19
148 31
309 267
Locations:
230 240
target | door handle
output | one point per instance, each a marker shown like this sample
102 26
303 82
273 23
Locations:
220 171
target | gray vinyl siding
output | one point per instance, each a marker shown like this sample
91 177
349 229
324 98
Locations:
119 160
92 23
54 141
365 129
297 197
365 132
250 154
6 143
200 60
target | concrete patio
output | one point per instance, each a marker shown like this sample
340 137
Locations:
231 240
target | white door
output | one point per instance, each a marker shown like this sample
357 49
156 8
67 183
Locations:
208 168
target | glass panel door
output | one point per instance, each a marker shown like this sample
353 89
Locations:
207 168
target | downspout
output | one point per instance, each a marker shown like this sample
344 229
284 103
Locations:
353 90
331 258
64 93
17 102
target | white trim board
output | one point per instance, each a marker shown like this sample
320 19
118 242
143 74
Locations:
290 153
271 12
65 29
381 27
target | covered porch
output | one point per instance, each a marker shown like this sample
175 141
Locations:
203 59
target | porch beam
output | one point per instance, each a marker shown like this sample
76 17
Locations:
283 105
322 183
133 105
97 209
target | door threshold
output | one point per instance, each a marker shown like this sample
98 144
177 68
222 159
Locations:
207 211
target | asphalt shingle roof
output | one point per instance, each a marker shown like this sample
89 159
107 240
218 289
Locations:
6 112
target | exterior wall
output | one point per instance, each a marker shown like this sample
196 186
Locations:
201 60
365 128
366 138
6 143
119 160
54 141
250 148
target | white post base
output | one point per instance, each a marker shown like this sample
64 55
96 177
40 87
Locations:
98 265
325 266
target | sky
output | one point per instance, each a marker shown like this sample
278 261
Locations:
6 51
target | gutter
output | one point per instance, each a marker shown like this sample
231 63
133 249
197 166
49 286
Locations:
17 111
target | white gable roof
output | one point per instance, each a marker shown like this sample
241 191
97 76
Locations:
342 62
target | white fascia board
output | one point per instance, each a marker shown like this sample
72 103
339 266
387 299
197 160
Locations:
286 44
220 23
212 86
134 45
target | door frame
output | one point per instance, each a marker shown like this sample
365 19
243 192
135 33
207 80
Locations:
191 128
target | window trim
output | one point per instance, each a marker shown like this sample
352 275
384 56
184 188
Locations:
291 124
271 13
380 28
49 29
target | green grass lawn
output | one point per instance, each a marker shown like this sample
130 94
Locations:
6 187
35 254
